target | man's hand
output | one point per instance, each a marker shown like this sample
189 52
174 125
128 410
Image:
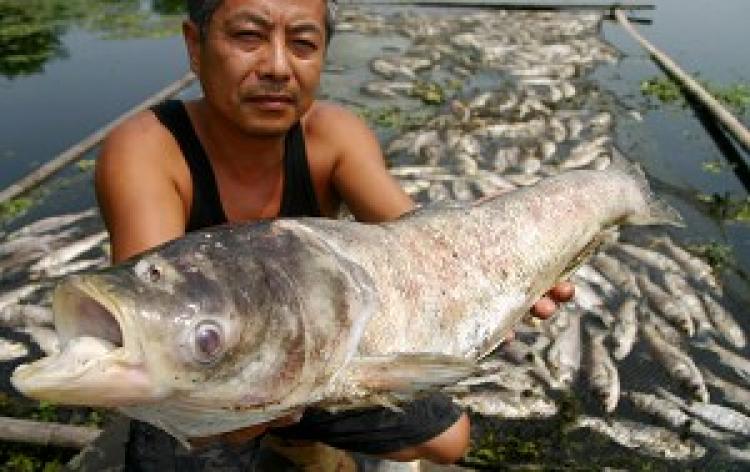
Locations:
546 306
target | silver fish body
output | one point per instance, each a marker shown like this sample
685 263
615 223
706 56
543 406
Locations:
237 325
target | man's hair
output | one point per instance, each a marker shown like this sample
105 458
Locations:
200 12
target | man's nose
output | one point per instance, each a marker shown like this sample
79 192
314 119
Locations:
276 67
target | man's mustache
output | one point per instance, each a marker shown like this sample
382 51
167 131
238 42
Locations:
270 88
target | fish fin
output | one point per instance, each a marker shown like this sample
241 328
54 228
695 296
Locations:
660 212
584 254
408 373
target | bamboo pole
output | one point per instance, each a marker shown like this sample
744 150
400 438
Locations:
510 5
46 434
731 124
78 150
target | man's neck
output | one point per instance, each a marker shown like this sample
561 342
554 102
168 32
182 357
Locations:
237 151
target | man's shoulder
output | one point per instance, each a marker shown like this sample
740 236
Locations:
139 138
331 121
138 146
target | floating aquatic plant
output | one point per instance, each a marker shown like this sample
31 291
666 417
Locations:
666 90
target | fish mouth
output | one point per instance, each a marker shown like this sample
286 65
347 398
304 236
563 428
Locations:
99 364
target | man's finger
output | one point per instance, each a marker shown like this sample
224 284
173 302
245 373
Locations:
544 308
562 292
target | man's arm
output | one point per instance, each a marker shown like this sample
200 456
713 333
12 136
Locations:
360 176
136 188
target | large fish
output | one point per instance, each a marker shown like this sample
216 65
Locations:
237 325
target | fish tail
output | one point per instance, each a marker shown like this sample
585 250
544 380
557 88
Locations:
659 211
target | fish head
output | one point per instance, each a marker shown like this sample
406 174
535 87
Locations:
242 318
134 333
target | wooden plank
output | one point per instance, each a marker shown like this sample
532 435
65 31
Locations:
510 4
78 150
689 85
46 434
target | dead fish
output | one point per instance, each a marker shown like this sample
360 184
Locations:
625 329
53 223
652 258
619 274
681 289
17 295
739 364
676 363
46 338
592 276
240 324
603 376
11 350
721 416
732 393
670 307
564 356
671 414
384 89
696 268
69 252
650 440
390 70
724 322
21 314
509 404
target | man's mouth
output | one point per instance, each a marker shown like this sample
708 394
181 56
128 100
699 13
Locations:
271 101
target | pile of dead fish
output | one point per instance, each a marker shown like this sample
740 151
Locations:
31 260
648 334
644 305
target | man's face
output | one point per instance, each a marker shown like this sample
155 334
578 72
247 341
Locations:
260 61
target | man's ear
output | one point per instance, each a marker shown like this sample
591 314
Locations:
191 33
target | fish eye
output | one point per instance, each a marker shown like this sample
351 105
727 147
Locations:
154 273
209 341
149 271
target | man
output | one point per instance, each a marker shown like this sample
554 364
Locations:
258 145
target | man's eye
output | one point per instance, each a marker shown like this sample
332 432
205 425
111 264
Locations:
306 45
247 35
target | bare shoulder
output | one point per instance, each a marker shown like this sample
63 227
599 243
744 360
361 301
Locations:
139 179
337 126
134 139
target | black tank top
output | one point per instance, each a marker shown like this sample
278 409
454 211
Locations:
298 198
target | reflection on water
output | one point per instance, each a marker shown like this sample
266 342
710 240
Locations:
29 37
30 30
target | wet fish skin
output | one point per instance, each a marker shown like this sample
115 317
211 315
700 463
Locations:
718 415
739 364
663 303
509 404
696 268
738 396
619 274
651 440
564 356
670 413
20 314
265 318
53 223
603 376
650 257
678 364
625 329
68 252
724 322
680 288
